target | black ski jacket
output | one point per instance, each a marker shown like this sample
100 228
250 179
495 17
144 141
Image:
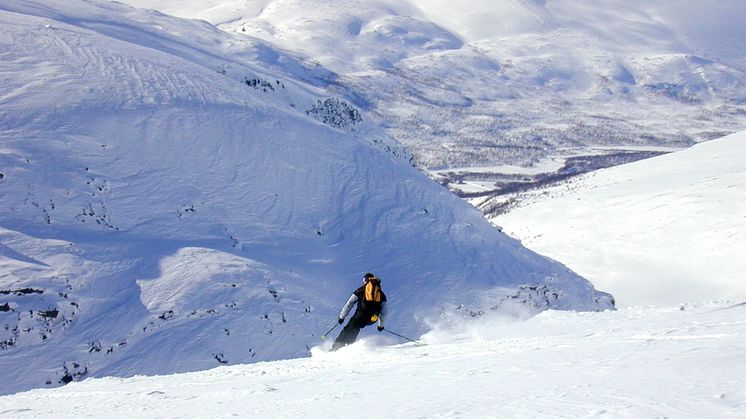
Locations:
357 297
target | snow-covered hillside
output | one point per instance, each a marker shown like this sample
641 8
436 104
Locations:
679 362
481 83
659 231
176 198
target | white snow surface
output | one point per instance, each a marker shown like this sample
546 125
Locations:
678 362
659 231
484 83
170 203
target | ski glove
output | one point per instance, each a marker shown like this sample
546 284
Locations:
340 321
379 328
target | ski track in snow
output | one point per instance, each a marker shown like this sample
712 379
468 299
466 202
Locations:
683 361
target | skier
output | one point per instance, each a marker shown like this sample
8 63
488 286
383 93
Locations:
371 308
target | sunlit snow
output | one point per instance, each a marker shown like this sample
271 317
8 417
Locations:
684 361
186 204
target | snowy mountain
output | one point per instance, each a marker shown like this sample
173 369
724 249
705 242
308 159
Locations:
678 362
177 198
484 84
660 231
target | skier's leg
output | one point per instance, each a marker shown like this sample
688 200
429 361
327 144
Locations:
358 321
346 336
349 334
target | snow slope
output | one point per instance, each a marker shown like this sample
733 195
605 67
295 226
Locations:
678 362
659 231
176 198
479 82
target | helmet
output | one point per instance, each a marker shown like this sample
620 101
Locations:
368 276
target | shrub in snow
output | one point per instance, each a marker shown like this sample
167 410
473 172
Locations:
335 113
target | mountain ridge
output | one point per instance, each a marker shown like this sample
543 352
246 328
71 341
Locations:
517 82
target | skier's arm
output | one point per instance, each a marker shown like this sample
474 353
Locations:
346 309
382 316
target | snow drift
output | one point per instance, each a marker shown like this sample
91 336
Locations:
659 231
169 204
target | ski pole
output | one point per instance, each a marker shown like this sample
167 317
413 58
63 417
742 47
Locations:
324 336
404 337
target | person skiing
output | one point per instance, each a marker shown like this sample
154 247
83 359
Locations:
371 308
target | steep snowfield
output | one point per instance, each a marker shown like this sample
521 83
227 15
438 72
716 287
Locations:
170 204
679 362
658 231
479 82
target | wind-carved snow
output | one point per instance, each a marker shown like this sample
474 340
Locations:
169 205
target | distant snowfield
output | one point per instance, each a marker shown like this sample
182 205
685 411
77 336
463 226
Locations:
546 165
486 83
659 231
682 361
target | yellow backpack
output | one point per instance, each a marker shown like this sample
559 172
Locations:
372 298
372 291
